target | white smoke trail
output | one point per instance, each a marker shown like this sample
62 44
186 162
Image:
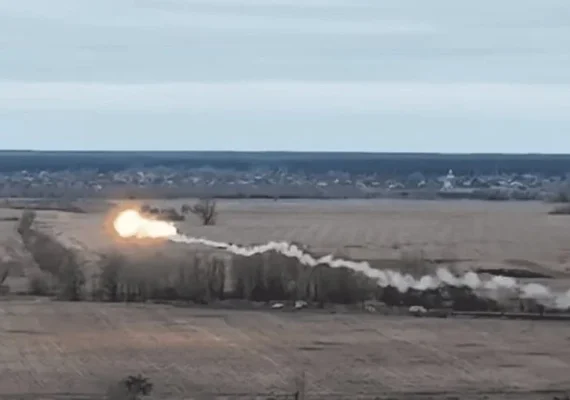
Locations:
130 223
402 282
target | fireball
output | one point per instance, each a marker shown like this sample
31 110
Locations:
130 223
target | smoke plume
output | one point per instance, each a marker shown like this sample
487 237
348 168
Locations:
130 223
402 282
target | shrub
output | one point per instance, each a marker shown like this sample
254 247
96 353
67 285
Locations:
130 388
561 210
137 386
203 278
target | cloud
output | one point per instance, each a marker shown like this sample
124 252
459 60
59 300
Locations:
156 15
296 25
521 101
265 3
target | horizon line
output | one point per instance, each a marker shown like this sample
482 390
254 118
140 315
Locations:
286 152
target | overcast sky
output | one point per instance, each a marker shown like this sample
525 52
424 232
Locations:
339 75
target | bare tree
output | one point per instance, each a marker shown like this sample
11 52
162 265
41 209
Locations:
205 209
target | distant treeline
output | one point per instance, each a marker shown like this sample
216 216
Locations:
354 163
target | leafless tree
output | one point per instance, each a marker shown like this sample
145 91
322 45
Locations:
205 209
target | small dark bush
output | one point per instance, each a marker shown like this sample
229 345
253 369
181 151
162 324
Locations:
138 385
561 210
130 388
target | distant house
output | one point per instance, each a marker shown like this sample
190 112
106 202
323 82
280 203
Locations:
395 186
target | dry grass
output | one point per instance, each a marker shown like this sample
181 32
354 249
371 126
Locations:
80 347
480 234
169 271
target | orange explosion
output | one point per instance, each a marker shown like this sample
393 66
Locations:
130 223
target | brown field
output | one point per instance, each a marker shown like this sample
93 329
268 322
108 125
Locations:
82 347
470 232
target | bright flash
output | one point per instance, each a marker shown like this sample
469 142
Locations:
130 223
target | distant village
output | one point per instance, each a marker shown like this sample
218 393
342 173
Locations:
266 183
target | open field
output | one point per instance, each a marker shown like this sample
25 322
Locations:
81 347
483 234
463 234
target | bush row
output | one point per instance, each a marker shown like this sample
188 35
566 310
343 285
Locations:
205 277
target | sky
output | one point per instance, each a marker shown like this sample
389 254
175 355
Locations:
287 75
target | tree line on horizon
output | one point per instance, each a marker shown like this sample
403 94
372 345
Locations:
354 163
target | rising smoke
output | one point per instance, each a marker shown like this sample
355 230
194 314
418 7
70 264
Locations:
132 224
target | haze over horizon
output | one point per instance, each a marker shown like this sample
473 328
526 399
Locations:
286 75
